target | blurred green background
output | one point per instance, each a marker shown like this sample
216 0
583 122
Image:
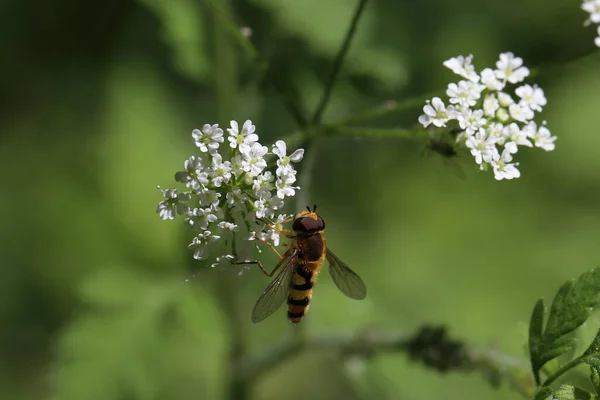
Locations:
98 103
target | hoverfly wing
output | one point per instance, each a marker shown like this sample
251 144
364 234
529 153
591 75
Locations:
276 293
344 278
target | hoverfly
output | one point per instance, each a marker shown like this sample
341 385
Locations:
448 152
302 263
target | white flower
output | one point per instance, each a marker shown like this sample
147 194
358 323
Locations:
237 167
514 137
504 99
283 185
541 137
247 136
226 229
462 66
200 218
267 205
201 244
209 198
221 171
209 138
520 112
465 94
510 68
241 188
436 113
597 40
168 208
533 96
283 163
503 168
253 161
490 105
263 183
593 8
496 129
471 120
237 199
193 177
482 147
488 78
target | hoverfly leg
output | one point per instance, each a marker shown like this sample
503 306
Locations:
270 246
256 262
282 232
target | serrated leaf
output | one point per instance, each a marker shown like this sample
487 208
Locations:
568 392
571 307
595 378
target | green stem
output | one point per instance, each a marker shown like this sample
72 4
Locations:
223 16
225 91
387 109
337 65
571 364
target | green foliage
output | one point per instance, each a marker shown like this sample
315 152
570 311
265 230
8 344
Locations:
568 392
124 348
182 24
570 308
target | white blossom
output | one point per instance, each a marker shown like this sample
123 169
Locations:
503 167
542 137
240 182
209 138
488 119
283 164
246 136
253 158
168 208
436 113
533 96
482 147
462 66
593 8
510 68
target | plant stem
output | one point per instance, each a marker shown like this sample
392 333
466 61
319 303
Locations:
225 79
389 108
337 65
571 364
428 345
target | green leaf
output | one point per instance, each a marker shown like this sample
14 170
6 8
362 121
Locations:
595 378
568 392
182 23
571 307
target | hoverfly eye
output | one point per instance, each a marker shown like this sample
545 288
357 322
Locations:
308 225
321 223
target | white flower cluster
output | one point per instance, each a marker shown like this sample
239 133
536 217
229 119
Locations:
593 8
243 187
492 122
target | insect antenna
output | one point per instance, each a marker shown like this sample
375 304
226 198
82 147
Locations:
314 208
308 208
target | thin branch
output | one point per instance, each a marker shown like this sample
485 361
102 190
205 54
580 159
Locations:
255 57
429 345
337 65
388 108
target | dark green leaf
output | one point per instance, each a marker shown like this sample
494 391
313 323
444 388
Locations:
570 308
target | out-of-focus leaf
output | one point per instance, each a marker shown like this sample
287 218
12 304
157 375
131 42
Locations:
183 31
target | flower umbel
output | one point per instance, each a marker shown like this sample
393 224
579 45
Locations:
488 117
242 182
592 7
